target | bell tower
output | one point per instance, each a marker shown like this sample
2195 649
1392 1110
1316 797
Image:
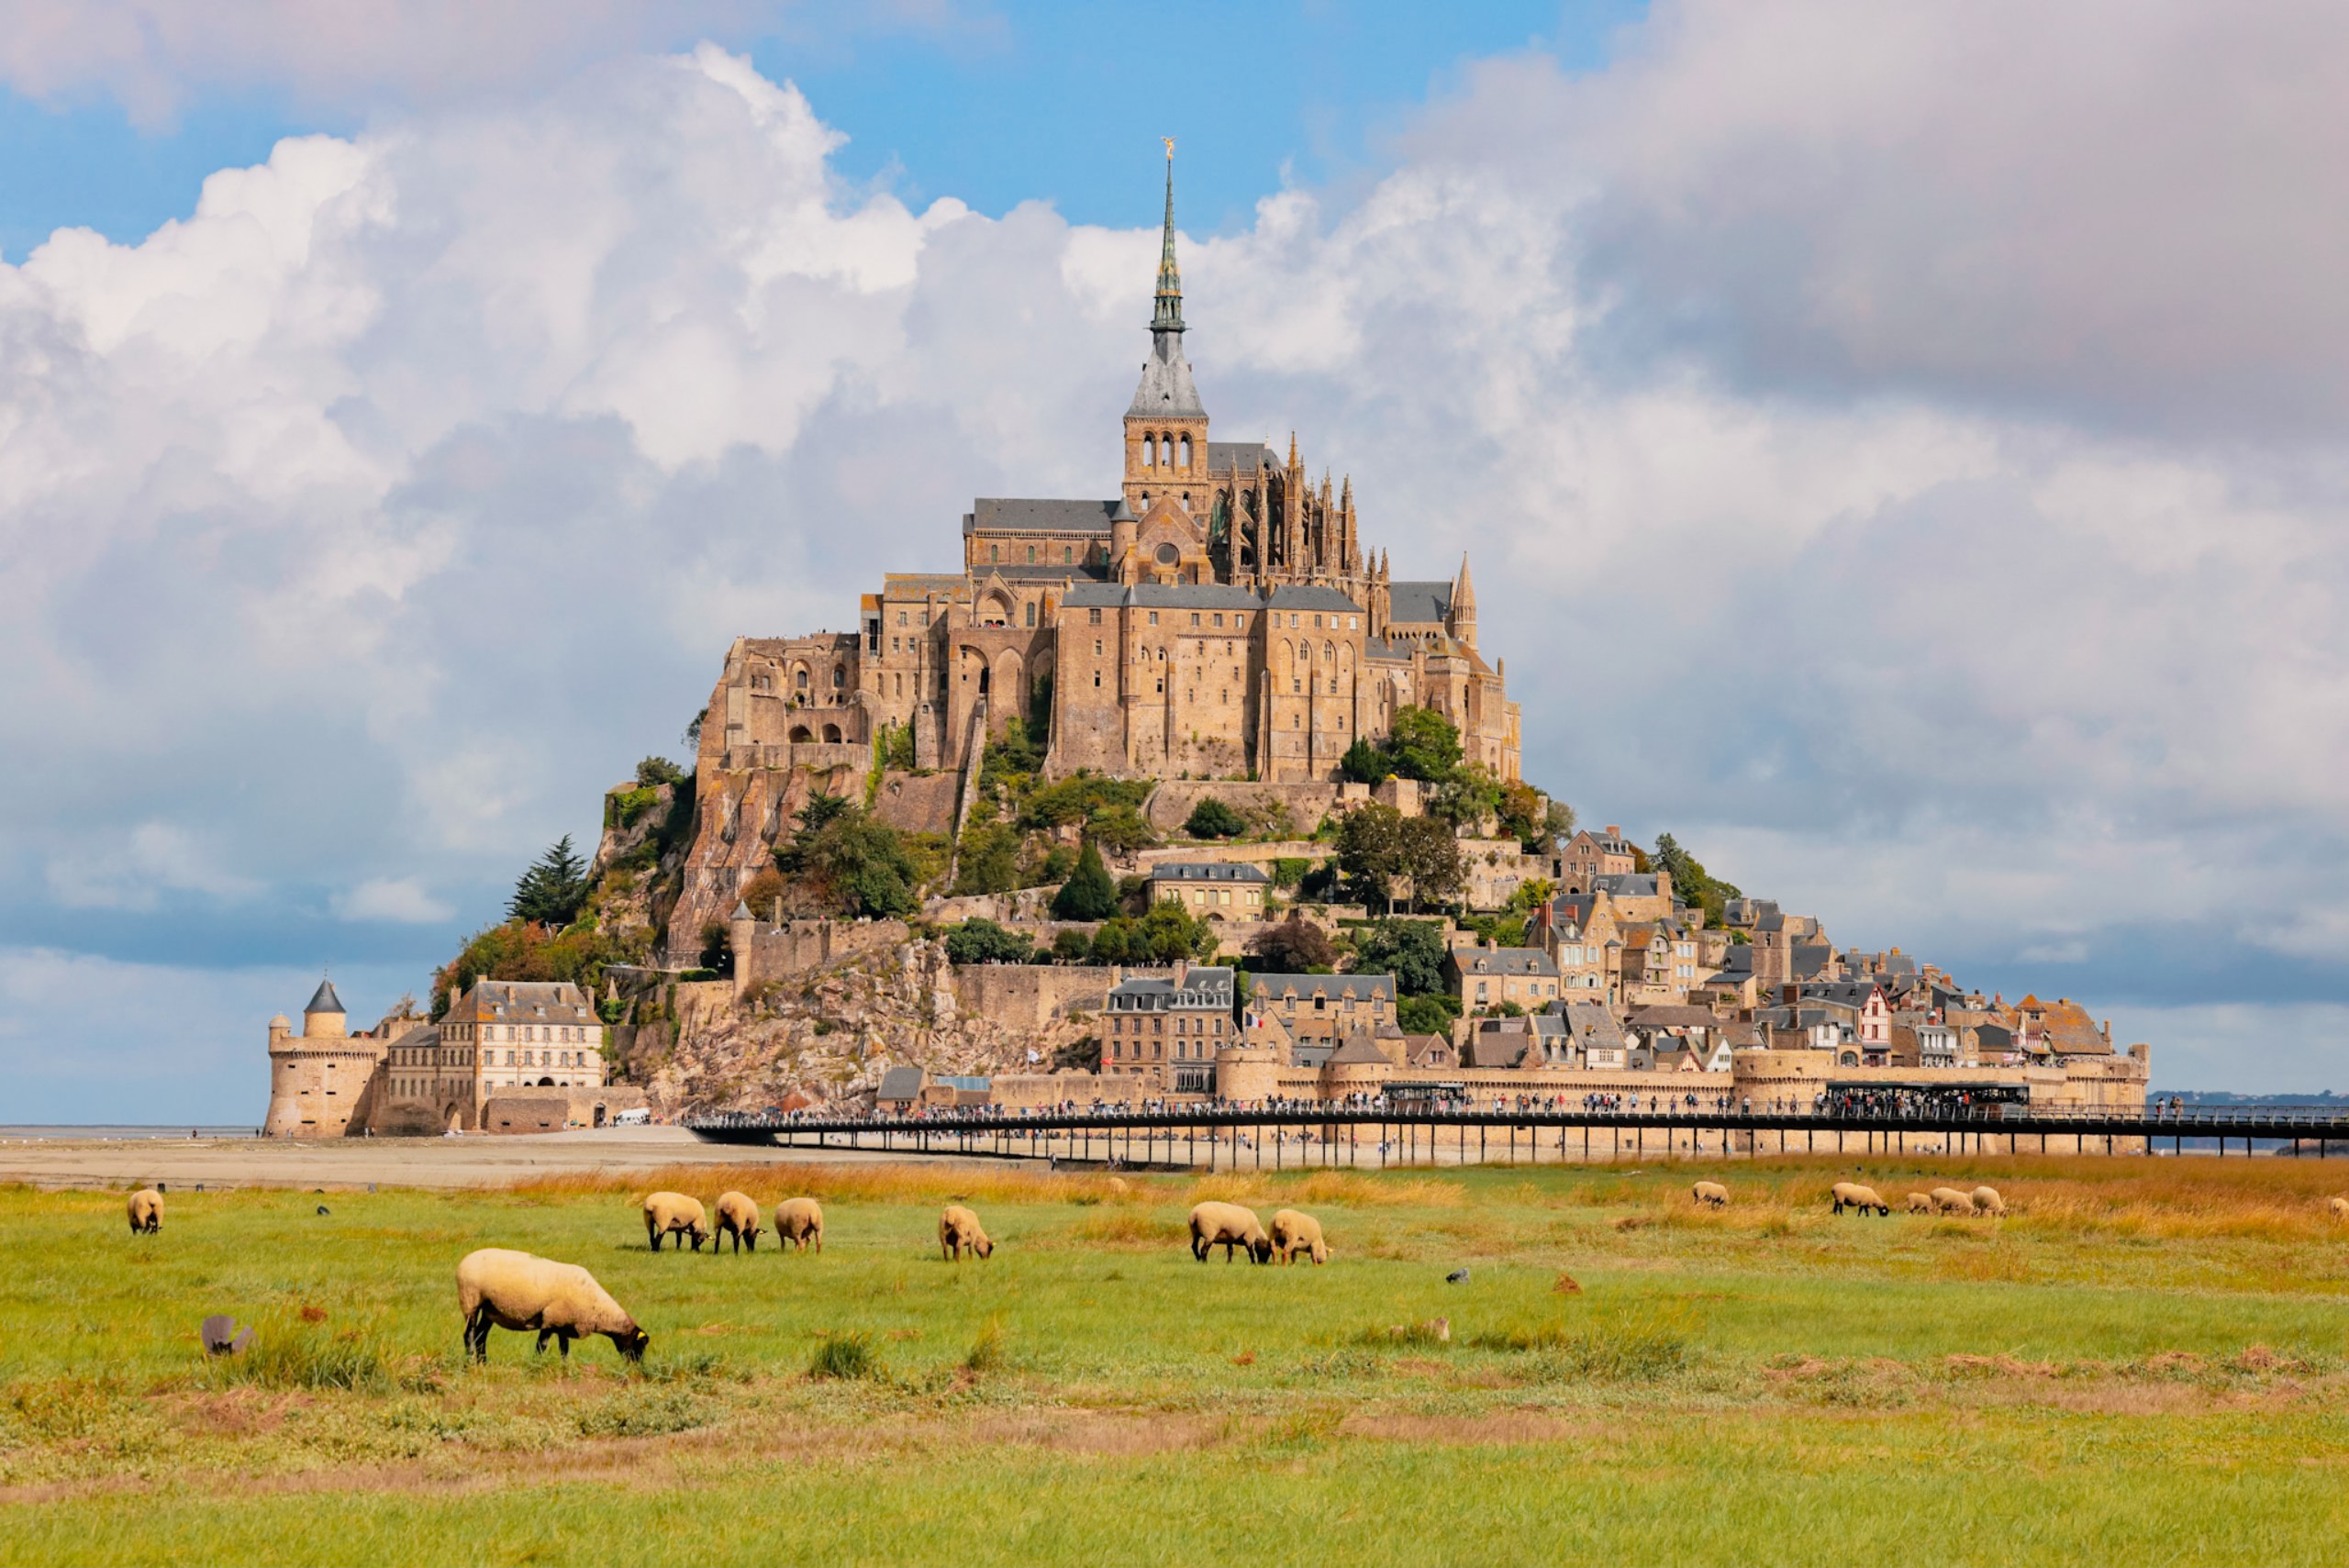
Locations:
1167 428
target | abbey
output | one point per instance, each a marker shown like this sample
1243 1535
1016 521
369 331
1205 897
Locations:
1218 617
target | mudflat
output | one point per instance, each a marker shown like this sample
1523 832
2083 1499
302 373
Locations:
343 1163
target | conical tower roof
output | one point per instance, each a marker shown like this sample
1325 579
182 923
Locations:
324 1000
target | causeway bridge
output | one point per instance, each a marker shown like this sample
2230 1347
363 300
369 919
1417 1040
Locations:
1377 1135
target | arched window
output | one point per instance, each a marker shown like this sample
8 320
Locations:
1068 555
840 677
799 677
1187 452
833 734
1031 612
1150 451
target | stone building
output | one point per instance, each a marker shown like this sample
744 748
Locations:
1212 890
1487 977
1165 1030
1317 1011
1219 616
322 1082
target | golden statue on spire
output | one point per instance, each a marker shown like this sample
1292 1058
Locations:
1169 147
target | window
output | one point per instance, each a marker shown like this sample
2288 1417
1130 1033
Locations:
1218 620
1353 623
1317 620
1031 612
1093 618
993 553
1153 617
1195 617
1187 452
1097 648
901 618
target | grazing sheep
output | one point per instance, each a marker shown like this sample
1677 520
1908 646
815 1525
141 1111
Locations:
498 1287
799 1221
1710 1192
1294 1233
1227 1225
147 1212
1949 1200
674 1214
1987 1201
1851 1195
1919 1203
737 1216
2339 1207
958 1229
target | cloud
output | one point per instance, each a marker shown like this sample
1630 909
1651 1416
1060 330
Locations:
369 520
402 901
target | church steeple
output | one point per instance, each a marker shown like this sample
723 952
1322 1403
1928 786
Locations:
1166 425
1167 317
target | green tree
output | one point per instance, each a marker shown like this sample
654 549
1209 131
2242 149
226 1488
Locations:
552 891
1430 858
1089 894
654 771
1119 828
1558 825
1411 951
1364 763
983 941
1468 797
1071 946
1168 932
988 858
1370 849
846 863
1211 818
1427 1015
1422 744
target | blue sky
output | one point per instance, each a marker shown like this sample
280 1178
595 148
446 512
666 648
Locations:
1930 516
1056 103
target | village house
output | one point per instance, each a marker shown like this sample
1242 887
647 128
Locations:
1317 1011
1485 978
1212 890
1166 1029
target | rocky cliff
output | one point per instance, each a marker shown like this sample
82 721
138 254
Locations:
828 1035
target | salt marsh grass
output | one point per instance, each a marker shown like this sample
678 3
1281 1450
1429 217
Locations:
2144 1358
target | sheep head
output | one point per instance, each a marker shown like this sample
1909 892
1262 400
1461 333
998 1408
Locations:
631 1344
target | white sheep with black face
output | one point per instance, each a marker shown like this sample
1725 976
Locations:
498 1288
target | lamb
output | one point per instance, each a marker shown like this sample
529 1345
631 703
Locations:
2339 1207
799 1221
959 1228
1851 1195
1987 1201
1919 1203
1710 1192
146 1211
1227 1225
1294 1233
737 1216
1949 1200
674 1214
498 1287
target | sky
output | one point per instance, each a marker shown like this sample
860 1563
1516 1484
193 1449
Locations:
1901 464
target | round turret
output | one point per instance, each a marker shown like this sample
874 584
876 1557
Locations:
324 1018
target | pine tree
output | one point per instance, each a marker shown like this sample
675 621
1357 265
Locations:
1089 894
552 891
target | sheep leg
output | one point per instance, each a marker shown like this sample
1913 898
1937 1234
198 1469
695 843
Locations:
562 1342
541 1347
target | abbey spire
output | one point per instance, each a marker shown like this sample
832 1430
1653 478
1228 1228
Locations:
1166 390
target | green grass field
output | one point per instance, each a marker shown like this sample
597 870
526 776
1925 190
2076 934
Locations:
2148 1360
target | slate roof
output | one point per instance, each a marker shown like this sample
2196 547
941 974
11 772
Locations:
1165 386
1357 1049
1162 595
1205 986
1626 884
1207 870
324 1000
1011 515
523 1001
1337 987
1504 961
1241 457
1592 1025
1418 603
1311 597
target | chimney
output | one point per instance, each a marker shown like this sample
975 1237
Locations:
1182 968
1613 831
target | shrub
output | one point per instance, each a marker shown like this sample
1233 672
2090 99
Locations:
647 1413
1425 1015
1089 894
986 1353
287 1355
980 941
844 1356
1071 946
1211 818
1296 946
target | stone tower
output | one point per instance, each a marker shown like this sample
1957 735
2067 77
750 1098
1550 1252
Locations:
321 1082
1167 427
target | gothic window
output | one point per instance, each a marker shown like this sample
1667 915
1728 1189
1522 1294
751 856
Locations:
993 553
1068 555
1031 612
799 677
1031 555
1187 455
840 677
1168 555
